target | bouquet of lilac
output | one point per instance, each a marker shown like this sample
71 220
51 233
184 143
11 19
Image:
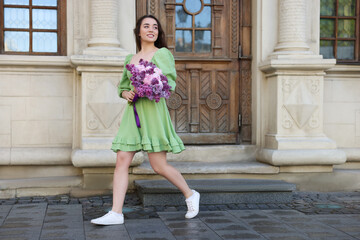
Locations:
149 81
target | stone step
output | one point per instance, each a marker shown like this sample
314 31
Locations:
215 153
251 167
216 191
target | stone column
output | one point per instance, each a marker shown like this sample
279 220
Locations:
104 18
98 108
292 107
292 19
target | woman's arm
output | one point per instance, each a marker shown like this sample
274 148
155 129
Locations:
166 62
124 84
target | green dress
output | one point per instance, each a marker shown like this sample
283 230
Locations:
157 133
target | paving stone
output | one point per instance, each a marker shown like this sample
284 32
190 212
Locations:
249 214
70 209
4 211
239 235
5 208
324 235
202 208
287 237
94 232
309 227
70 219
170 209
20 237
183 228
8 202
23 222
312 216
228 227
212 208
266 224
74 234
17 233
63 222
148 229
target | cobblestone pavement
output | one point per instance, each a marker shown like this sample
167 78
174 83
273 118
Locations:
309 216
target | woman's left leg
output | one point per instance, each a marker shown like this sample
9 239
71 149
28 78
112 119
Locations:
159 164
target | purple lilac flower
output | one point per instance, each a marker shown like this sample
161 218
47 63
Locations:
148 80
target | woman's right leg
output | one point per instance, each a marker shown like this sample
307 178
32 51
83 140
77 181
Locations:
121 179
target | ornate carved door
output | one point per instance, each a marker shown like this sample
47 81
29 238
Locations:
212 101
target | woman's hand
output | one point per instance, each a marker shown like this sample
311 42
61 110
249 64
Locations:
128 95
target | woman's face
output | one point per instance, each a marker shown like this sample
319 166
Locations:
149 30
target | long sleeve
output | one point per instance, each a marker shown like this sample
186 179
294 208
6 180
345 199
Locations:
125 81
166 62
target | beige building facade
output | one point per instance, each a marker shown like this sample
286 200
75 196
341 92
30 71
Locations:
59 114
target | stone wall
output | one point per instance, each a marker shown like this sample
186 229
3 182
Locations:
36 109
342 108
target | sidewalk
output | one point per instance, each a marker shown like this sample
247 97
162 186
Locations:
309 216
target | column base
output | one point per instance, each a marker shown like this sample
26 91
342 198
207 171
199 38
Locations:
301 157
105 51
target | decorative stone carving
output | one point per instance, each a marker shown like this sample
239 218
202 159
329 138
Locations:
287 123
175 101
213 101
314 121
105 103
300 105
315 86
93 124
288 85
91 84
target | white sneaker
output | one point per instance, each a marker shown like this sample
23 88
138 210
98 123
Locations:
110 218
192 203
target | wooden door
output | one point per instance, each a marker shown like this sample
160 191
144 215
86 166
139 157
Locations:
212 101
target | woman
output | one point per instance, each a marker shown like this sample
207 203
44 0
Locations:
156 134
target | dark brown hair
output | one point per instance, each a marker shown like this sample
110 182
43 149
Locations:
160 41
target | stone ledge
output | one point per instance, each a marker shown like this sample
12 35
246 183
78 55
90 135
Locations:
40 61
48 182
35 156
301 157
208 168
348 166
43 191
100 158
352 154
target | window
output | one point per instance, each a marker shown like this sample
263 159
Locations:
193 26
32 27
339 30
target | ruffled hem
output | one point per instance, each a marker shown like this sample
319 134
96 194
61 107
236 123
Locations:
145 144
